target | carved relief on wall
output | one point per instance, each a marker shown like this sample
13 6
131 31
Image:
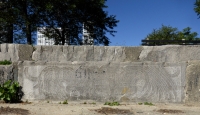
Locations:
50 83
133 82
154 83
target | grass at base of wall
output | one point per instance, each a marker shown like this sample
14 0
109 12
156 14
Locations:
5 62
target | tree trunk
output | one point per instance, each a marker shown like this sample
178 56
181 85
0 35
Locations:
28 34
28 25
10 34
63 37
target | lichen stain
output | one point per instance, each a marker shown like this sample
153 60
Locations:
125 90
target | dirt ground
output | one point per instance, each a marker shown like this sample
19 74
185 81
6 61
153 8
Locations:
95 108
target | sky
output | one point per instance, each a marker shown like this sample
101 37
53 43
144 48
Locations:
138 18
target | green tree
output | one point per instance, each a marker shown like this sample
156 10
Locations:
22 17
197 7
19 17
28 17
171 33
6 22
70 15
163 33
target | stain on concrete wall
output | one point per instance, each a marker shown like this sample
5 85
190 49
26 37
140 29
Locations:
6 73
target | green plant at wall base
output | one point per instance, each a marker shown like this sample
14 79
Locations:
147 103
9 92
112 103
93 103
65 102
140 103
5 62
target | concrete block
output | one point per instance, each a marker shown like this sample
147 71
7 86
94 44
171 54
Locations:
89 51
43 53
168 53
119 54
154 82
65 52
193 82
69 52
4 48
4 55
24 52
99 53
113 53
189 53
132 53
83 53
37 53
105 53
46 53
13 52
57 54
103 81
79 53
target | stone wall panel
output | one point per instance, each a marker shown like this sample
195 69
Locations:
103 81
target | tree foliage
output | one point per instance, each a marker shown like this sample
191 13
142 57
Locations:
63 19
6 22
197 7
21 16
170 33
70 15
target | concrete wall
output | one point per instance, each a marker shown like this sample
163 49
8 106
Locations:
146 73
103 81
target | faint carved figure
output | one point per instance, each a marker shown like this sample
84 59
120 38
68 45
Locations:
158 84
51 82
155 83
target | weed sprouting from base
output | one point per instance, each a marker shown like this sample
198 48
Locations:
140 103
5 62
65 102
148 103
112 103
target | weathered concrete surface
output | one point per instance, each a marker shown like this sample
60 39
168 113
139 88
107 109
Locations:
24 52
145 73
103 81
8 52
170 53
86 53
15 52
7 72
132 53
193 82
